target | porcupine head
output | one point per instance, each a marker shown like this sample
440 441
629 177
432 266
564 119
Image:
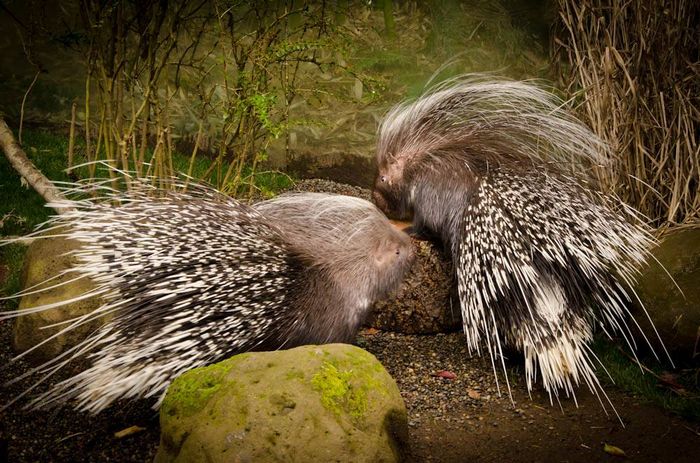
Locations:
354 257
416 179
433 152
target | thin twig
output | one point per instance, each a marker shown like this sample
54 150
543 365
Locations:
24 100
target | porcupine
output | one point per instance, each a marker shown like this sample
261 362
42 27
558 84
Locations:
194 277
496 170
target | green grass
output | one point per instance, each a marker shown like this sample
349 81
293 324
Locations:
12 256
22 209
629 377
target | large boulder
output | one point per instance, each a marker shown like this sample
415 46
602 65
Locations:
45 267
676 315
313 403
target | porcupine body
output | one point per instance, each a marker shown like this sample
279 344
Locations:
194 277
496 169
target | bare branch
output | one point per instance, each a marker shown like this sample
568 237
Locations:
26 168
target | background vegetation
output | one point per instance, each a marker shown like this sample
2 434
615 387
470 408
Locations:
240 81
241 85
634 70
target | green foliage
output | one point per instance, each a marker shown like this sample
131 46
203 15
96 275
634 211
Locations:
251 76
263 104
631 378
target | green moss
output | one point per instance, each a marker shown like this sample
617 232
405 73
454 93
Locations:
190 392
337 393
345 384
362 359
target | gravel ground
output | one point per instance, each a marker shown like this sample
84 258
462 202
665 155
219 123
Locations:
465 419
415 362
318 185
65 435
450 420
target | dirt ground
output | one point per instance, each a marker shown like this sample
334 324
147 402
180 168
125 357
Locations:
450 420
542 434
464 419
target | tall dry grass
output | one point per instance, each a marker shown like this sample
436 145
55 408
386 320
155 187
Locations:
634 69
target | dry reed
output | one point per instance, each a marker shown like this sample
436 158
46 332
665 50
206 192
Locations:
633 68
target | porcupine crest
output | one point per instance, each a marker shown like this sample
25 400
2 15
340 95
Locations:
494 167
478 122
191 278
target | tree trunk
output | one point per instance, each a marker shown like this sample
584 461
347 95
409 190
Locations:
24 167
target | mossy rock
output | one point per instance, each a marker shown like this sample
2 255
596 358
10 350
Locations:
676 315
46 258
331 403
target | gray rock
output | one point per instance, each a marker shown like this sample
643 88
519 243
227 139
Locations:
313 403
675 315
46 259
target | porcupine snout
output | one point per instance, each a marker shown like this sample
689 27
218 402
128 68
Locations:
394 258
